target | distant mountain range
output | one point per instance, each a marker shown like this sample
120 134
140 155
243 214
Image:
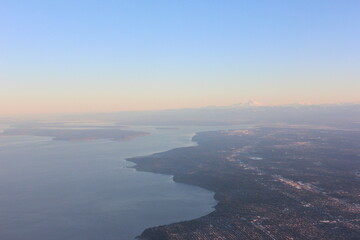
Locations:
252 112
341 115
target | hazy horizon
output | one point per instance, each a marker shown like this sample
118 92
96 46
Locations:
239 106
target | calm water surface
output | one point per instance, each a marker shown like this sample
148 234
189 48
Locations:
56 190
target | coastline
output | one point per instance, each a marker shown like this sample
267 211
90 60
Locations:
139 166
270 197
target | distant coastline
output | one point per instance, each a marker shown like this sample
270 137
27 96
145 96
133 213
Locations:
75 134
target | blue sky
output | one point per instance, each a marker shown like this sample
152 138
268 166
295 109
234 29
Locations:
69 56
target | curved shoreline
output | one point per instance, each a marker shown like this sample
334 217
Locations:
270 199
175 178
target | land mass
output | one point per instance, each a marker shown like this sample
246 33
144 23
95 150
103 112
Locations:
76 134
270 183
